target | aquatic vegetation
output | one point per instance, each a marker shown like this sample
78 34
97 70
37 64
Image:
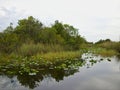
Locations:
32 65
93 61
101 59
108 59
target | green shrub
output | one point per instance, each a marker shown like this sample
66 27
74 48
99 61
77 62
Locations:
110 45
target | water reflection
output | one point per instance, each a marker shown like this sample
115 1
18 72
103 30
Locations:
32 81
118 58
102 67
92 59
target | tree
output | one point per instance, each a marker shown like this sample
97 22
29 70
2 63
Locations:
28 29
58 27
48 35
103 41
9 29
71 30
8 42
32 30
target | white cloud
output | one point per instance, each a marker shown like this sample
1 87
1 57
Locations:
96 19
9 15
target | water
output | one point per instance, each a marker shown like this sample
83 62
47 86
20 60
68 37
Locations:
97 73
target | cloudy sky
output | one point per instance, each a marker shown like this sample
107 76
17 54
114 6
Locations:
95 19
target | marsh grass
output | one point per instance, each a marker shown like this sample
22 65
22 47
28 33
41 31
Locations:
41 59
33 49
32 64
60 55
111 46
103 51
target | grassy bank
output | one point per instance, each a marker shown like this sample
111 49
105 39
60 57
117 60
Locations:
103 51
60 55
46 57
33 64
109 45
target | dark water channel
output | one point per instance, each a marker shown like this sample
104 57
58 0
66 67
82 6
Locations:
97 73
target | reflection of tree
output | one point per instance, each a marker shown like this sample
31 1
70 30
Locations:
30 81
118 58
64 70
58 74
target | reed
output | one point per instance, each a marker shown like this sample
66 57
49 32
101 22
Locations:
103 51
33 49
51 56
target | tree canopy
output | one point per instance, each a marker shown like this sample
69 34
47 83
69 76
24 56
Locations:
32 30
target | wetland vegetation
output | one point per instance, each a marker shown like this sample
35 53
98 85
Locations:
34 51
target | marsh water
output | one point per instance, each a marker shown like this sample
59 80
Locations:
96 73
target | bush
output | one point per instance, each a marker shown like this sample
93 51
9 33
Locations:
118 47
110 45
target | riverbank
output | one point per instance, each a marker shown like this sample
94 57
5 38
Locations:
103 51
14 63
58 60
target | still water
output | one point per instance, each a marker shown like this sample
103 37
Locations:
97 73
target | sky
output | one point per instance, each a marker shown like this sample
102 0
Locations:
95 19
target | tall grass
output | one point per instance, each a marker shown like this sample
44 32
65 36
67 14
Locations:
33 49
60 55
103 51
111 45
51 59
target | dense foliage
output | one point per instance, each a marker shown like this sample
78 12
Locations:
31 33
108 44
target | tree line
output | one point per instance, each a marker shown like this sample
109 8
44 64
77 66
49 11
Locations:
31 30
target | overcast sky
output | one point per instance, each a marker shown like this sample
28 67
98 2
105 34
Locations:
95 19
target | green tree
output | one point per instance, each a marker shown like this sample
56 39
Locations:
32 30
28 29
71 30
48 35
8 42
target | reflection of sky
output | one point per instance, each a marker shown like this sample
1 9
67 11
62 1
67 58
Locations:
101 76
10 84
